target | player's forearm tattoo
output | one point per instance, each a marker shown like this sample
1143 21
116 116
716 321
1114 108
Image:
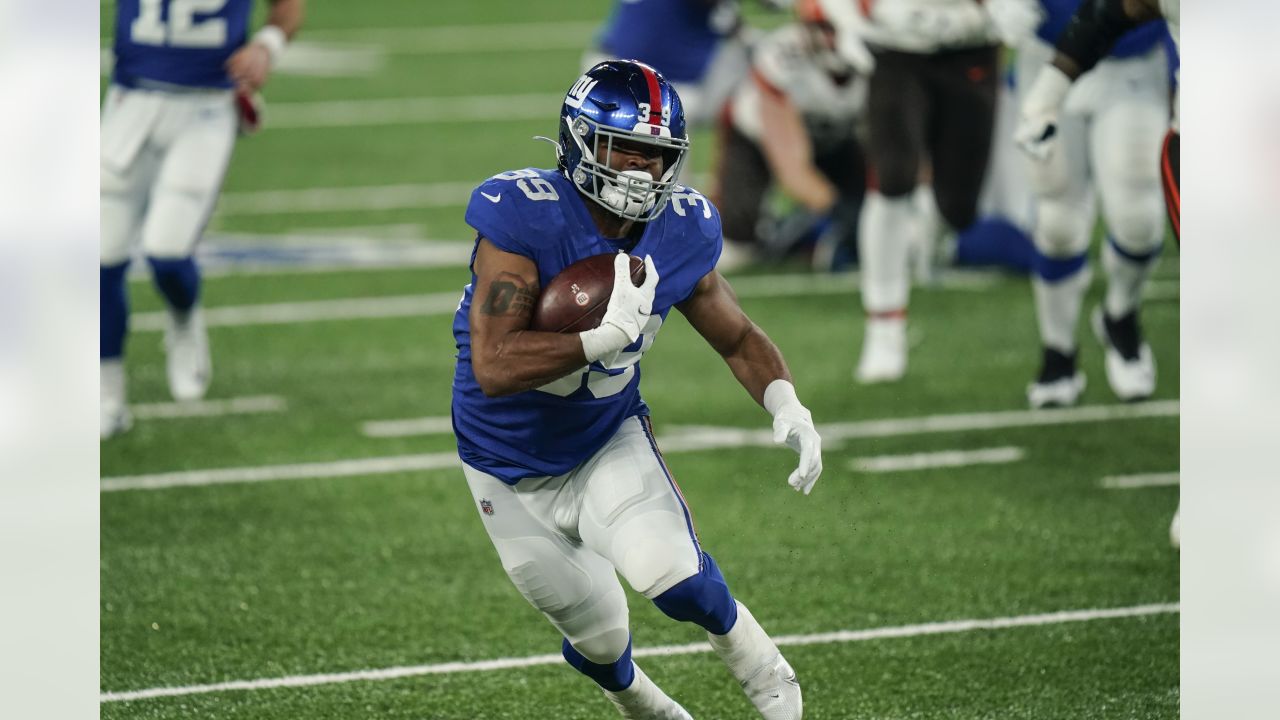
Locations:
509 294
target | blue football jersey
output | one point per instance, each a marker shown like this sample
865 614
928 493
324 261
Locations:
676 37
182 43
1135 42
549 431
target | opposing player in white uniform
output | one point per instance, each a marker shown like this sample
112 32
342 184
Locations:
1107 137
183 71
792 123
555 439
1092 32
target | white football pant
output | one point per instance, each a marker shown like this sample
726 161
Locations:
562 540
1109 137
164 155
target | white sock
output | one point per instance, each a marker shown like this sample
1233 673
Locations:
885 236
1125 281
745 647
112 381
1058 308
644 699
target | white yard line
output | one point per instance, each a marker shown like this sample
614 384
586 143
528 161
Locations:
343 199
407 428
313 311
449 39
271 473
686 440
412 110
697 437
1144 480
842 636
940 459
210 408
759 286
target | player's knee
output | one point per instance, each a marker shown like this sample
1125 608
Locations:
1137 228
612 672
602 645
654 566
702 598
958 209
1062 231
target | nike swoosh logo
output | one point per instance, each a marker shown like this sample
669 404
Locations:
491 198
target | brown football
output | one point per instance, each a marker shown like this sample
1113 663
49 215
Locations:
575 300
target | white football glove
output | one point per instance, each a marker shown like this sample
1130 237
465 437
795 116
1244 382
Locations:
1015 20
793 426
1037 127
627 312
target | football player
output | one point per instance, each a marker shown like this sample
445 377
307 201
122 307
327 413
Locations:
1106 138
931 104
698 45
555 439
810 99
185 76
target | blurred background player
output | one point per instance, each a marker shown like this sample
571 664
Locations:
793 122
1106 140
931 104
556 442
695 43
184 80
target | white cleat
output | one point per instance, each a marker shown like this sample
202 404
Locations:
644 700
1059 383
1131 368
884 351
114 418
1175 530
189 366
766 677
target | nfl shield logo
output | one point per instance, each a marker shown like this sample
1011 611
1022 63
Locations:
487 507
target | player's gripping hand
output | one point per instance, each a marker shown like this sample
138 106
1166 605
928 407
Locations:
249 66
793 426
1037 130
627 312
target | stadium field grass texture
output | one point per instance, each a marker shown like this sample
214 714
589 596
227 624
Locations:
333 572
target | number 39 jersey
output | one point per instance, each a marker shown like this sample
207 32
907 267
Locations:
552 429
182 43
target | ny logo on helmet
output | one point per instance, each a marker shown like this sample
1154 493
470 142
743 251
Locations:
578 93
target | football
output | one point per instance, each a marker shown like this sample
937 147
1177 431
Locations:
575 300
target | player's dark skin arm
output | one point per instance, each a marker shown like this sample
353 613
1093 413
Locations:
1094 30
714 312
506 356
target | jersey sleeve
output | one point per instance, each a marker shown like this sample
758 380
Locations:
497 217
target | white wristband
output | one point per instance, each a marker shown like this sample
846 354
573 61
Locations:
273 39
602 342
778 395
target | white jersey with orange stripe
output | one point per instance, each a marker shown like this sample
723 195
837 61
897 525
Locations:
782 64
927 26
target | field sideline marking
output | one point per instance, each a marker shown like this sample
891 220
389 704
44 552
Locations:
842 636
210 408
1143 480
940 459
410 427
446 303
480 38
691 439
413 110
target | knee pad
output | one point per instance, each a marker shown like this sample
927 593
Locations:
612 675
1062 229
178 281
703 599
120 218
1137 229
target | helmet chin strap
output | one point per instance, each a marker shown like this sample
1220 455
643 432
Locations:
626 197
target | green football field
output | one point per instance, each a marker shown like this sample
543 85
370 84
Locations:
303 545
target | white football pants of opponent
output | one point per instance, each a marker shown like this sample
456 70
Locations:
164 155
1110 130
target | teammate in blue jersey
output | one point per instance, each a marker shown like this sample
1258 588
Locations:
555 439
185 76
1106 140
